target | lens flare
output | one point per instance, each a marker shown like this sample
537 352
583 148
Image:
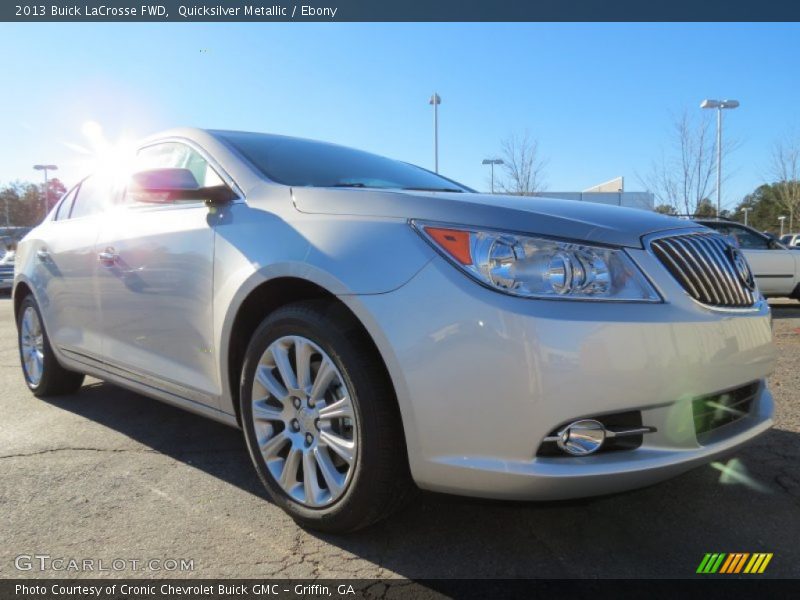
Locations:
109 159
735 473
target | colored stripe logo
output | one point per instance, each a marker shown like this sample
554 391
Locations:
734 562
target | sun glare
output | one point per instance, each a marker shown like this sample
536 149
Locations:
97 154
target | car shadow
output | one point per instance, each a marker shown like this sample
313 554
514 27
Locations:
785 310
214 448
746 503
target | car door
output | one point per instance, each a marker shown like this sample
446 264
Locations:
155 284
65 268
773 265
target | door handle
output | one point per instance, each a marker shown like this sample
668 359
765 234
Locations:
42 254
107 257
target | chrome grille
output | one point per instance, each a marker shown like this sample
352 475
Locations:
704 265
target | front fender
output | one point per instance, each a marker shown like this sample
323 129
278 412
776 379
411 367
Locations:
344 256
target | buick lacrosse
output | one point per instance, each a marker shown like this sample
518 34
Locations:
373 327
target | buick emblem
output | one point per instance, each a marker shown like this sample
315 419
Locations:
742 268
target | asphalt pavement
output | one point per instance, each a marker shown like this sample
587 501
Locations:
107 475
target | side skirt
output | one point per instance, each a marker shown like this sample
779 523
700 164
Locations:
142 384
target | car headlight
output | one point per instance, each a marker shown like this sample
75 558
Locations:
538 267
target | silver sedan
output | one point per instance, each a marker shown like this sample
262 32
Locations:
373 327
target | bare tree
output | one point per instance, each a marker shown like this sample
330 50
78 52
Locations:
786 173
523 165
684 177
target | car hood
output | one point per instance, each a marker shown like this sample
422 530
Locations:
535 215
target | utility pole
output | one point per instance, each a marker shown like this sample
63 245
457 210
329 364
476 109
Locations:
746 210
719 105
493 162
435 101
45 168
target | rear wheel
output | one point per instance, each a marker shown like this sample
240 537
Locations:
321 421
43 373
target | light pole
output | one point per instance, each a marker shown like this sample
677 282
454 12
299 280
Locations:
781 219
493 162
719 105
435 101
45 168
746 210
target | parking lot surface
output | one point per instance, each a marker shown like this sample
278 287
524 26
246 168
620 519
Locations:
108 474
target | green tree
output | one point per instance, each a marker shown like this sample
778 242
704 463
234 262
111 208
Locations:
22 202
764 208
705 208
55 189
666 209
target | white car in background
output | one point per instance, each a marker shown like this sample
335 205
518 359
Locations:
7 270
776 266
791 240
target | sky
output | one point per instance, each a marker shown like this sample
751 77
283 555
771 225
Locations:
599 98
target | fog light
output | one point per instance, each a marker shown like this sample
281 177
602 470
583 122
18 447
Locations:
582 437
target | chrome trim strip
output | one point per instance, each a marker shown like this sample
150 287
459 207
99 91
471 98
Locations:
139 377
735 293
719 282
612 433
718 245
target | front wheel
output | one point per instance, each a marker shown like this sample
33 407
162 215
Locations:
321 421
43 373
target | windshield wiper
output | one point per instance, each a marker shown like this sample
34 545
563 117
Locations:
357 185
431 189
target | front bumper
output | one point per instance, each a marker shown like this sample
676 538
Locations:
482 378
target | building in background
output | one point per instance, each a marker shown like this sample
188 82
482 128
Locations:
611 192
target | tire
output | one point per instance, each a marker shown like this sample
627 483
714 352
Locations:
343 496
43 373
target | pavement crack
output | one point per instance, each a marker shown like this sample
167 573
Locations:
119 451
75 449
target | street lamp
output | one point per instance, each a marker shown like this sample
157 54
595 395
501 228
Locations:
746 210
493 162
435 101
781 219
45 168
719 105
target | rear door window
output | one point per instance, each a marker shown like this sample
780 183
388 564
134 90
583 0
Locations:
92 198
62 212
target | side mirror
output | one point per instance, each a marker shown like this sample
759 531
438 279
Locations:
171 185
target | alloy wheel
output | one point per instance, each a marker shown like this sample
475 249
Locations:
304 421
32 345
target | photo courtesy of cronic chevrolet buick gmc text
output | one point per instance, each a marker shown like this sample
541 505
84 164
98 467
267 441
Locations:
372 326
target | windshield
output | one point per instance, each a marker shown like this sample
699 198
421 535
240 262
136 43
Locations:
298 162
